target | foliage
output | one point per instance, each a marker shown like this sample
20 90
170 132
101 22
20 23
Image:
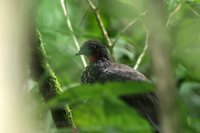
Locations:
96 110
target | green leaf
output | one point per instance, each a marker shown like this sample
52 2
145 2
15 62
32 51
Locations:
189 93
188 46
117 9
190 105
84 92
109 114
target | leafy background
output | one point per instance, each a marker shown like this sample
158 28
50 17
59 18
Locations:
111 114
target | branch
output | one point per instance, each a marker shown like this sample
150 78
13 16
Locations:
101 25
178 7
48 84
126 27
146 40
160 49
144 49
71 30
194 11
85 14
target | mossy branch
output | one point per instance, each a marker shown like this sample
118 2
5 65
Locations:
48 83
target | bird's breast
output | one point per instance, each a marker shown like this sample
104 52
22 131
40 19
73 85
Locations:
90 75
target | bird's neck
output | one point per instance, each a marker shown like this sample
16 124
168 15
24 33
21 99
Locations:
96 59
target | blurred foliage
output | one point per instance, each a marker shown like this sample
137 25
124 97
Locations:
97 110
79 93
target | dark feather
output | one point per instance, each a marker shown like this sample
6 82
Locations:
146 104
104 70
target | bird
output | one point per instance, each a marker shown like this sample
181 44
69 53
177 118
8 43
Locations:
102 69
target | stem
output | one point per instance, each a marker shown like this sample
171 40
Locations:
101 25
139 60
144 49
126 27
194 11
62 2
178 7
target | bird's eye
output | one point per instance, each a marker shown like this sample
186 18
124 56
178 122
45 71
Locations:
93 46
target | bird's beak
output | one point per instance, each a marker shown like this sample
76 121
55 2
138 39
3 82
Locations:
78 53
81 52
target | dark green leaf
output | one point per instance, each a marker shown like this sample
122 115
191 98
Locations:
109 114
84 92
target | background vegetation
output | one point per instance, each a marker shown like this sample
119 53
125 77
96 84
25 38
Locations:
124 21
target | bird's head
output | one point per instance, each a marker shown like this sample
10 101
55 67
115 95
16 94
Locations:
94 50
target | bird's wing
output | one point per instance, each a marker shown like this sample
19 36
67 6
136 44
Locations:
120 72
146 104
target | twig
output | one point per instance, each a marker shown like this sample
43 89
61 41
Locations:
100 22
126 27
144 49
178 7
139 60
83 19
71 30
194 11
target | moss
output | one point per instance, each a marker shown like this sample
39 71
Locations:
48 84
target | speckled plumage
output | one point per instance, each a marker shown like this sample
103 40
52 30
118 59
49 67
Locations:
104 70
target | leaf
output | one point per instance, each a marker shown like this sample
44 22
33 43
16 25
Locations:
109 114
84 92
190 105
189 93
188 46
120 114
118 9
123 49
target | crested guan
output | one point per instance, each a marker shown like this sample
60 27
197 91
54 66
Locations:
101 69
